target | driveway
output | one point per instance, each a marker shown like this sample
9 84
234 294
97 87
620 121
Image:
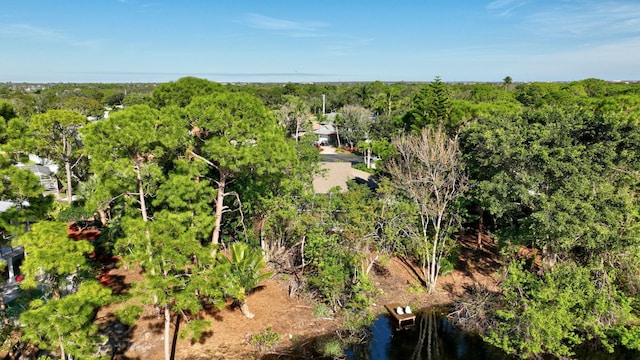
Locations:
353 159
328 154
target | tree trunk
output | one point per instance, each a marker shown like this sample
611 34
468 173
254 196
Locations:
549 259
433 267
371 263
244 309
143 205
103 217
263 244
63 355
3 310
304 238
480 230
167 332
67 169
215 237
66 148
55 291
425 261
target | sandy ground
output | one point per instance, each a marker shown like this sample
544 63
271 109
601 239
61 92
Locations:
293 318
327 149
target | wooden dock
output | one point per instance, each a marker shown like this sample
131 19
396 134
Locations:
401 319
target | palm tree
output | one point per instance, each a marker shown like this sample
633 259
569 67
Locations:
506 82
247 272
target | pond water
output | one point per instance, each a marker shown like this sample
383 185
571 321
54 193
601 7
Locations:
433 337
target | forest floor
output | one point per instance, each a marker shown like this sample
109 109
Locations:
293 317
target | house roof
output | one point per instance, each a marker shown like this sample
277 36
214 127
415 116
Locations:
37 169
330 116
325 129
6 205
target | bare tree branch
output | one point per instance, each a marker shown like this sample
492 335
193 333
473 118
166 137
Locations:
428 170
207 161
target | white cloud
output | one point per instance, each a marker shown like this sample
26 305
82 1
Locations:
40 34
347 46
292 28
505 7
29 31
615 60
588 19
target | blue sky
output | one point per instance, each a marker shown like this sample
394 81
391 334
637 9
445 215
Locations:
316 41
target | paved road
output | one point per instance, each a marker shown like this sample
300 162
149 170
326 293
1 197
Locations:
353 159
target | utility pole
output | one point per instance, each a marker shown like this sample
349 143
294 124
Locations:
324 100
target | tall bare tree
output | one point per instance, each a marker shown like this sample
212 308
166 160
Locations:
428 171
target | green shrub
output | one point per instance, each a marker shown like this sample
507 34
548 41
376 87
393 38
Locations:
330 347
363 167
416 289
264 340
357 321
332 270
322 310
361 293
552 313
65 212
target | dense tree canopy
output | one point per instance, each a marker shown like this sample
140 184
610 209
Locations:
551 167
235 133
127 151
563 181
181 92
